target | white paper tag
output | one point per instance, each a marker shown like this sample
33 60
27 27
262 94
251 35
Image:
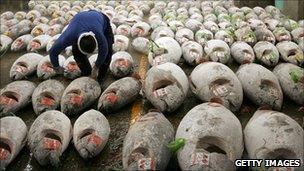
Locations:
200 159
219 90
146 164
160 92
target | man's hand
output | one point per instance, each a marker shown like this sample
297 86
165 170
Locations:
59 70
94 72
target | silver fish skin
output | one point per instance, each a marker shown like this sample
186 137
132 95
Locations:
13 138
210 130
47 96
282 137
166 86
49 136
260 85
145 145
215 80
91 133
119 94
80 94
292 87
15 96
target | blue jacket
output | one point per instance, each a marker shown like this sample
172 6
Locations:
82 22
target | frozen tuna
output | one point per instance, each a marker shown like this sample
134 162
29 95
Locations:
40 30
291 78
45 69
183 35
164 49
121 43
242 52
25 65
91 133
140 29
54 29
267 53
141 44
213 138
202 36
119 93
122 64
291 52
281 34
71 69
225 35
124 30
51 42
166 86
260 85
80 94
38 43
160 32
193 53
217 51
49 136
263 34
12 139
5 43
47 96
15 96
297 34
145 145
246 34
213 80
281 137
21 42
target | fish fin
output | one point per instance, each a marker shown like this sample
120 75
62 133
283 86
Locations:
216 100
264 107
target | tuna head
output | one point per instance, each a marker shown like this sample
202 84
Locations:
140 29
212 80
217 51
119 94
45 69
281 34
193 53
71 69
226 36
49 136
124 30
263 34
145 145
266 90
202 36
183 35
15 95
47 96
12 139
80 94
166 86
267 53
141 45
21 42
121 64
121 43
213 138
291 52
242 52
5 43
91 133
282 137
164 49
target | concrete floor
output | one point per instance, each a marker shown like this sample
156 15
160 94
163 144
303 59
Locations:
111 157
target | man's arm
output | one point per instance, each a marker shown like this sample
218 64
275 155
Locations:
102 50
66 39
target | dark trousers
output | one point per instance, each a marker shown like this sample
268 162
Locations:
83 61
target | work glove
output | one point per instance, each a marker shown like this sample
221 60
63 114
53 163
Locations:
94 72
59 70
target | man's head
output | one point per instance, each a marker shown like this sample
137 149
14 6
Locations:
87 43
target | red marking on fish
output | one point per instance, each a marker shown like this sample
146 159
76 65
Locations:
4 154
34 45
51 144
47 101
76 99
46 67
111 97
21 69
95 139
4 100
73 67
122 63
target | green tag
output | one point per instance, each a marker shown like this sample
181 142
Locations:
295 75
175 145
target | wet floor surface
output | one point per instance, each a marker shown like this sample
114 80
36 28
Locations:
111 156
